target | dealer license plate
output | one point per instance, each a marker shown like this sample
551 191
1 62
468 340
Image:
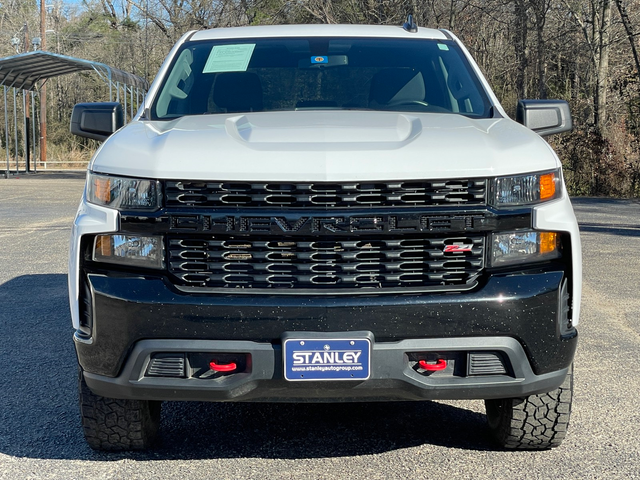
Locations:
327 359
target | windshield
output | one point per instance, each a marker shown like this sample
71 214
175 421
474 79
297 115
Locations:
275 74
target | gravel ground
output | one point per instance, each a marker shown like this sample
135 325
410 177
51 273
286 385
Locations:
40 435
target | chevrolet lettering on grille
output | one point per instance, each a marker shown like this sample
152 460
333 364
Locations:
330 225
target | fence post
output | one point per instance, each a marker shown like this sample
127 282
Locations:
33 131
124 91
6 131
15 127
27 147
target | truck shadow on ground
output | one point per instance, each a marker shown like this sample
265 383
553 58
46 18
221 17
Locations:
39 414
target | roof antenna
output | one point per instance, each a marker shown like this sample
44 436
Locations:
410 25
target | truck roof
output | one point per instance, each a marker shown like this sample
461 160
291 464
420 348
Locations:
389 31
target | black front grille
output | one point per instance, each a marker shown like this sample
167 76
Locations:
310 263
414 193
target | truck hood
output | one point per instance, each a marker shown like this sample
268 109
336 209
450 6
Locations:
323 146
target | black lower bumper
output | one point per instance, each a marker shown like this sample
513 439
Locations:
520 309
394 374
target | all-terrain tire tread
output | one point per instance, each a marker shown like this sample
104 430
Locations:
115 424
536 422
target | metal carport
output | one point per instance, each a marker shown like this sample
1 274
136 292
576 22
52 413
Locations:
23 72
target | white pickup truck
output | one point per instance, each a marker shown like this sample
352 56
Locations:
324 213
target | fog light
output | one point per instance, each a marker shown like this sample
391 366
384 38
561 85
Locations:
523 247
131 250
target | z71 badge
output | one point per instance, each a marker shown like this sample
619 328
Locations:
459 248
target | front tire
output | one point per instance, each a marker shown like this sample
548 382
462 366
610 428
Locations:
536 422
115 424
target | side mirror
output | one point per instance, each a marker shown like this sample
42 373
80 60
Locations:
545 117
96 120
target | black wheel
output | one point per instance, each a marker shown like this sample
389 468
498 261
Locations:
114 424
536 422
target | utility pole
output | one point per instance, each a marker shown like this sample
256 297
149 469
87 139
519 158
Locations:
43 89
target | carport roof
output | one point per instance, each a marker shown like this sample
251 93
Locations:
23 71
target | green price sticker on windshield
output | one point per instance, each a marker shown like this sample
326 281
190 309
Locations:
229 58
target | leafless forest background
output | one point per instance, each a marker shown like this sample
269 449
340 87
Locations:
583 51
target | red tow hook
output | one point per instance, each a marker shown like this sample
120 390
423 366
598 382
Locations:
441 364
229 367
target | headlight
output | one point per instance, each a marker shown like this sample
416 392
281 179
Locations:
523 247
525 189
130 250
123 193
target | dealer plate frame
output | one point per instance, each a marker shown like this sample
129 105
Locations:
327 357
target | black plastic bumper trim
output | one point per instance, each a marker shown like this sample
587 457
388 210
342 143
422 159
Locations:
392 377
318 292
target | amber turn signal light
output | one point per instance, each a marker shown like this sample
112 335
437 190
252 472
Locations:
102 188
547 186
548 242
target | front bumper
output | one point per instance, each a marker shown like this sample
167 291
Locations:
394 376
516 314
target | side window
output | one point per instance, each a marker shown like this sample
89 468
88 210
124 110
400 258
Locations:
173 98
